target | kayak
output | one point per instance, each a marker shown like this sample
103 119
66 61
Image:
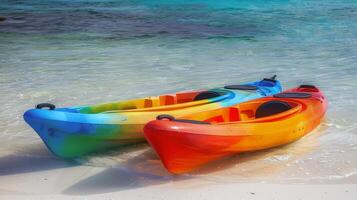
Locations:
188 142
76 131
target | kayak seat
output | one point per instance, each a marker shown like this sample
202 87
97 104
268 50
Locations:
206 95
271 108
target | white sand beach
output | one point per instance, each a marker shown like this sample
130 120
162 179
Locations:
103 183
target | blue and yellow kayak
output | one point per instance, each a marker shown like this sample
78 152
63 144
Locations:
76 131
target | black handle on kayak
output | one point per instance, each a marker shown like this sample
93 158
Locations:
307 86
271 79
171 118
45 105
164 116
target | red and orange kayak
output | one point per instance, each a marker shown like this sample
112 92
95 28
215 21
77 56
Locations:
184 144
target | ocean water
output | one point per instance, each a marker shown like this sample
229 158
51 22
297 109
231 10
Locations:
83 52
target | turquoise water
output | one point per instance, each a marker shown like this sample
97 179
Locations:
85 52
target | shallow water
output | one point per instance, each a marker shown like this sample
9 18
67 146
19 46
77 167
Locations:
86 52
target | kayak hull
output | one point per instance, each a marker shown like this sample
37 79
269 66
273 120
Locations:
183 147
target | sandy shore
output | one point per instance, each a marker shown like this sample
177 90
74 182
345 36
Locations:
46 177
227 191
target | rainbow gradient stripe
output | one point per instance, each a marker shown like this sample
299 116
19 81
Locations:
76 131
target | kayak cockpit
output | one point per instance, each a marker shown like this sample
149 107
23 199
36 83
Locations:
258 111
162 102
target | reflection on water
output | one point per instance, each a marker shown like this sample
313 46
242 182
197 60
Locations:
98 51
